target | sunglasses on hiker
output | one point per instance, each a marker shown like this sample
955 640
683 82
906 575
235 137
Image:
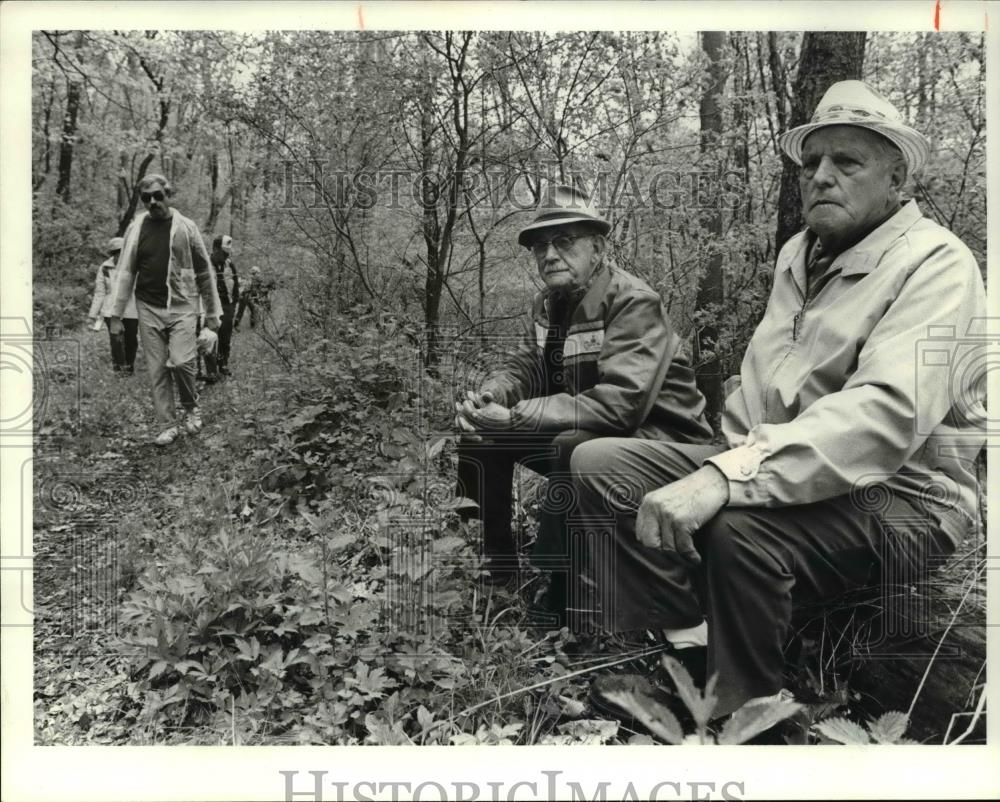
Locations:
156 195
562 243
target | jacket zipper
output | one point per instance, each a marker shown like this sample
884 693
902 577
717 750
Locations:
795 336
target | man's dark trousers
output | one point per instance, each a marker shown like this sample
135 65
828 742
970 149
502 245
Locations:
125 345
485 475
226 333
757 562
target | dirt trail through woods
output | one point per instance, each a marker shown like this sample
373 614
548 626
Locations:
103 491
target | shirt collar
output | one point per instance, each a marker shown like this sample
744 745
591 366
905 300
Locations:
863 256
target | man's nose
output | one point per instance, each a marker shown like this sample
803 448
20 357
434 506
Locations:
824 173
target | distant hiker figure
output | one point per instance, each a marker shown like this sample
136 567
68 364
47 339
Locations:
227 283
125 344
256 297
165 261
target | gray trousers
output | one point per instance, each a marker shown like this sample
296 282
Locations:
169 334
757 563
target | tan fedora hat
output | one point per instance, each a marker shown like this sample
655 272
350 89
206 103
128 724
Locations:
560 205
856 103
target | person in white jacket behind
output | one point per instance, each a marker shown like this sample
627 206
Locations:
124 345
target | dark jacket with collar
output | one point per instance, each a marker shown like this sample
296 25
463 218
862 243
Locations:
626 371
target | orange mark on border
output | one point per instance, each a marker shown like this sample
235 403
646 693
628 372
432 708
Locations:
937 15
361 17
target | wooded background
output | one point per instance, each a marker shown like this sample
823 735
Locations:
677 133
268 581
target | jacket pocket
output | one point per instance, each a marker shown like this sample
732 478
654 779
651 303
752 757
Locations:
188 284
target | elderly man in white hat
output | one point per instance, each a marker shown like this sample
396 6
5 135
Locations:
600 360
848 452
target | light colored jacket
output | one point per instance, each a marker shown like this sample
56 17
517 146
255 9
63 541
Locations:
190 275
625 368
867 386
103 285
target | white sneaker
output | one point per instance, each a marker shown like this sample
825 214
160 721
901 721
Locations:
167 436
686 638
192 420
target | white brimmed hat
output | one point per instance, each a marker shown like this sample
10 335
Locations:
560 205
856 103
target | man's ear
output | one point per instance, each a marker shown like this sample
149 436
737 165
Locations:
898 175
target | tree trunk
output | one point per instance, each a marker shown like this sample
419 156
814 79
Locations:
68 140
133 200
826 58
48 130
213 183
742 113
163 103
777 80
121 187
237 215
708 367
434 281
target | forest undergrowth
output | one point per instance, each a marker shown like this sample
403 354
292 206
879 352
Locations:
298 573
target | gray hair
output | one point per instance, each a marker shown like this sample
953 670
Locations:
155 178
890 153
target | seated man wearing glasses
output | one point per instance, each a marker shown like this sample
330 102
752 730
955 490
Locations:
165 262
601 360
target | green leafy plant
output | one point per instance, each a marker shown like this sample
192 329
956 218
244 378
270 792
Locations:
635 697
889 728
220 617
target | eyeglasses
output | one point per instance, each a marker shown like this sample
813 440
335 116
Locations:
148 196
562 243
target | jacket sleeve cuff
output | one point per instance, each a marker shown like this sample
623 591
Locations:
741 466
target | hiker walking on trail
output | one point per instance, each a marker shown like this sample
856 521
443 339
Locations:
256 297
165 262
227 283
124 345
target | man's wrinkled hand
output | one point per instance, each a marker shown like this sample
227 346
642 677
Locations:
465 409
212 323
115 325
669 517
466 431
490 417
